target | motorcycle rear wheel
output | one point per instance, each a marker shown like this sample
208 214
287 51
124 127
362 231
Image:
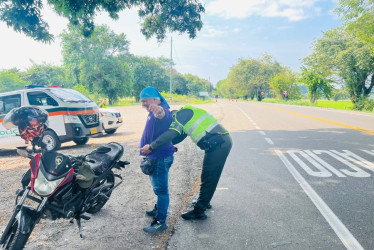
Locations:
100 202
15 239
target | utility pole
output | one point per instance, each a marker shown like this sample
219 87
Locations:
171 63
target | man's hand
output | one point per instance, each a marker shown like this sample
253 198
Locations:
157 111
145 149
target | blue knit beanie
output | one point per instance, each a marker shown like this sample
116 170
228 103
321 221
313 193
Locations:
151 92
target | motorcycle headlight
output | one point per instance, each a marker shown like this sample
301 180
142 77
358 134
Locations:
44 187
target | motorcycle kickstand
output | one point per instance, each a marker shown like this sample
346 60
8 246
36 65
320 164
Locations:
79 226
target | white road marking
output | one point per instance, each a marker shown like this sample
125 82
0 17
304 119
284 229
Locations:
325 164
339 228
356 159
347 158
262 132
359 172
249 118
369 152
322 171
269 141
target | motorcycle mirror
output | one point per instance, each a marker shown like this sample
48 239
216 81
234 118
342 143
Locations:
23 153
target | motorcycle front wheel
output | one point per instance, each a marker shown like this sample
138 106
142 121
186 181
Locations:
99 202
15 239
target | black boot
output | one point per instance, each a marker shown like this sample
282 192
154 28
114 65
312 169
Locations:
193 215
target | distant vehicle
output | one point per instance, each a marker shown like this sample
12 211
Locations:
112 120
71 115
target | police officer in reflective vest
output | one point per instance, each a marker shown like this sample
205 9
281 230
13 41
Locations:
208 135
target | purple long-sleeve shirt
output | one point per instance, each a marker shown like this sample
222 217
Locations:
153 128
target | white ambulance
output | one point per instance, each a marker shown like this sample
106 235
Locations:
71 115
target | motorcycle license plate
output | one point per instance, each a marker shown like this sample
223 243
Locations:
93 130
119 119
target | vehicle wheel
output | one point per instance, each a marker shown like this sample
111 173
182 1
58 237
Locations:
81 141
111 131
100 201
15 239
51 140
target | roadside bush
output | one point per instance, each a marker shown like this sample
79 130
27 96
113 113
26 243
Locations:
365 104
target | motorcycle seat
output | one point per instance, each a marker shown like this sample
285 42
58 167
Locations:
104 157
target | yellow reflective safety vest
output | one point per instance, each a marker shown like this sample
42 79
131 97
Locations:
198 126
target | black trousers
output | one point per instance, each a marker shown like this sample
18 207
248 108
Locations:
213 163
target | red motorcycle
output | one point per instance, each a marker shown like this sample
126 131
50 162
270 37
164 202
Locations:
58 185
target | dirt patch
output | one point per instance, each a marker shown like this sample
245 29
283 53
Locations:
119 225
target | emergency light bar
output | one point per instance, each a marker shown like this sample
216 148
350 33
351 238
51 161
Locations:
40 86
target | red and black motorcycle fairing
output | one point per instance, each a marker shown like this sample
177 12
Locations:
55 171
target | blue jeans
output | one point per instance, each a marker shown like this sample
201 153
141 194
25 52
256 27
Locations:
159 180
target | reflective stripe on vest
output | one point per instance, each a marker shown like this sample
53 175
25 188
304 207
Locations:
176 125
201 123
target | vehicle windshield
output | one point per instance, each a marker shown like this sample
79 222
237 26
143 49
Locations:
70 95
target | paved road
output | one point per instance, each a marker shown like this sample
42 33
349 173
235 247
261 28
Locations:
296 178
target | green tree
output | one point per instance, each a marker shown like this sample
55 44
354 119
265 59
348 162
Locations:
110 77
318 85
340 94
339 53
195 85
224 89
358 16
45 74
250 77
285 80
158 17
98 62
148 72
179 83
11 80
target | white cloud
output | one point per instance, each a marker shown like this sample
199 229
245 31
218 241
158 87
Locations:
236 30
293 10
211 32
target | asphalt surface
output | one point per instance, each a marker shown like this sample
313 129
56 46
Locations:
296 178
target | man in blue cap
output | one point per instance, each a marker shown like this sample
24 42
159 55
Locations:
158 121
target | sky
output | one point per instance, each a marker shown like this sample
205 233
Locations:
232 29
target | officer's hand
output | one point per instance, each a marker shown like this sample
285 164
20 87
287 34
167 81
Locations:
145 150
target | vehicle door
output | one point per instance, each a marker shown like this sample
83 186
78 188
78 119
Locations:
9 138
48 103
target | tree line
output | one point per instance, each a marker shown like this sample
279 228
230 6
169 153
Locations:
102 64
341 65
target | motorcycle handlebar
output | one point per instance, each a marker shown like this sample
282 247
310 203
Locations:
24 153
